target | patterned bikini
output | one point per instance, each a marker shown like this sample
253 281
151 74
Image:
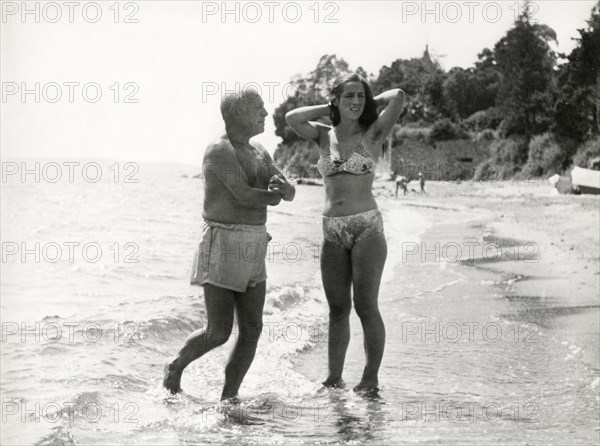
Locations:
348 230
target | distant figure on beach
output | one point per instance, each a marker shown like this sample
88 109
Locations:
422 183
240 181
402 182
354 248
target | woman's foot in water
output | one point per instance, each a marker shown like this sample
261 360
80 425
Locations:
172 378
367 388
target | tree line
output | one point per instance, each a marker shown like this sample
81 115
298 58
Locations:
537 107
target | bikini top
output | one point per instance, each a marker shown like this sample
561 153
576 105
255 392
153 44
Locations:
359 163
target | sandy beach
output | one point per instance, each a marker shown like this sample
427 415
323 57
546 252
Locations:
562 231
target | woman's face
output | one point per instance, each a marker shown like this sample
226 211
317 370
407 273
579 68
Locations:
351 102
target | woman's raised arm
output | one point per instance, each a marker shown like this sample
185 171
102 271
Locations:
300 121
394 103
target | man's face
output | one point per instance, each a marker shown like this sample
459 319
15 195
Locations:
252 114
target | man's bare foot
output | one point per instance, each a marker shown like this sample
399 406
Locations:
367 388
172 378
230 399
234 409
334 383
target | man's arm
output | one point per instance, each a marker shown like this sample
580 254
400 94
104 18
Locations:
220 163
278 182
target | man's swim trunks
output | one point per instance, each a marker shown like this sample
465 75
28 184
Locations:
230 256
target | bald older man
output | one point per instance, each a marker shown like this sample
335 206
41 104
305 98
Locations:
240 181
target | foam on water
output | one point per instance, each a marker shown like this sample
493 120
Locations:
403 228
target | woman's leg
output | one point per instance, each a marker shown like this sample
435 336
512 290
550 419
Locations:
336 273
219 315
368 260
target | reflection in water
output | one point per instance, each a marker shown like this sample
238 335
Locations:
357 419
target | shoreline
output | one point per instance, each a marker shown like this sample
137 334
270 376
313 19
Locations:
549 252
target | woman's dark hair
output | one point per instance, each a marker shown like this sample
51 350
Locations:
369 114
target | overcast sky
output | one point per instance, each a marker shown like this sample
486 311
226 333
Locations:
142 81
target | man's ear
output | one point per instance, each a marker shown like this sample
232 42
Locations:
239 110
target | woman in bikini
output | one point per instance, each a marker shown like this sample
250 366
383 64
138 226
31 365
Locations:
354 250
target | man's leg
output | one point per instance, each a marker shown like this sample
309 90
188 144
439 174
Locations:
249 312
219 314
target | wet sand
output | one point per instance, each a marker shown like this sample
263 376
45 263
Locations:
559 232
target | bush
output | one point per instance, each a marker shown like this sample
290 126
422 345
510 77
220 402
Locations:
507 155
517 125
511 152
484 119
549 154
485 135
586 152
488 171
444 130
461 131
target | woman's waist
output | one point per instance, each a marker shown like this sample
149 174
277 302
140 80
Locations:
339 188
342 206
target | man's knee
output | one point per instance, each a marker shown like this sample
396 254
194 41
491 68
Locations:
218 334
250 332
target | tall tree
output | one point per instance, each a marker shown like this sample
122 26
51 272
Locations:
421 79
310 89
471 90
577 110
526 62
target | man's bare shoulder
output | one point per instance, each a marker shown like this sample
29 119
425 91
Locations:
219 149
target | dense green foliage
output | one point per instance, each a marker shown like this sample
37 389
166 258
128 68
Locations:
549 153
587 152
577 110
526 62
444 130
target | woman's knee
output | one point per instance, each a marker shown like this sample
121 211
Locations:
366 310
340 310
